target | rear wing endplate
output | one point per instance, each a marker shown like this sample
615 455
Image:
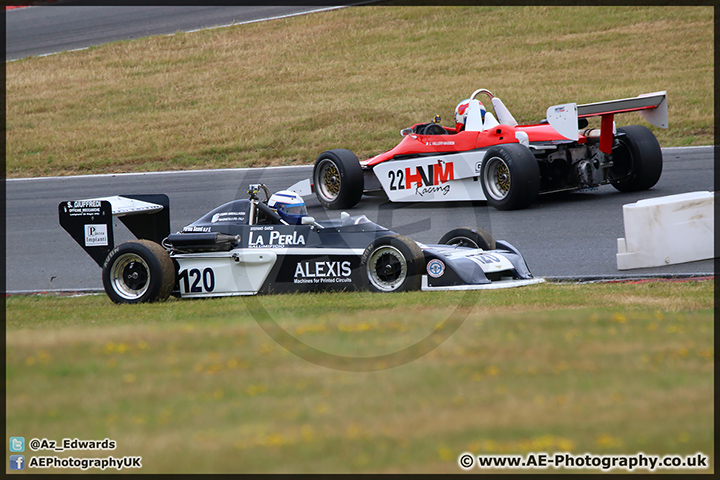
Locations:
652 106
90 222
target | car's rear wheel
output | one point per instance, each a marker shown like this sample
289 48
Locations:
637 159
393 264
469 237
138 271
338 179
510 177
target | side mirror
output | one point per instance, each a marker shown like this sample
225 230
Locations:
308 220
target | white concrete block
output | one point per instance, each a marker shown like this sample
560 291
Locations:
667 230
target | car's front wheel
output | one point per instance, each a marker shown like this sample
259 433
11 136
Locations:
138 271
393 264
510 177
338 179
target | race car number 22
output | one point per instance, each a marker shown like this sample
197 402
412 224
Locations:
195 281
392 176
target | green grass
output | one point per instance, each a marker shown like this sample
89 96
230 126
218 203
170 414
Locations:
201 386
281 92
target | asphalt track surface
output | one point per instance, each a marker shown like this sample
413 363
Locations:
71 26
562 235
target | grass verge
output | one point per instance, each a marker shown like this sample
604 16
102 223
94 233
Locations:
199 386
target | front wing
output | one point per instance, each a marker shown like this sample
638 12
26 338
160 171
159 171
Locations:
426 287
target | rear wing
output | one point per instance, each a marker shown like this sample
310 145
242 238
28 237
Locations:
90 222
652 106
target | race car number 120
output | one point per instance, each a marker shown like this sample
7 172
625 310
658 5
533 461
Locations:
195 281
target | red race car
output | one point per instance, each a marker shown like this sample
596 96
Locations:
492 158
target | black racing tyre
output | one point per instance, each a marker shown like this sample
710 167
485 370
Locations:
138 271
637 159
510 177
338 179
469 237
393 264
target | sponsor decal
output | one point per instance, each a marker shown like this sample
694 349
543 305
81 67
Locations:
440 143
96 235
83 207
426 179
323 272
559 109
228 217
422 191
435 268
274 239
196 229
84 204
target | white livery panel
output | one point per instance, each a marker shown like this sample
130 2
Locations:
438 178
238 272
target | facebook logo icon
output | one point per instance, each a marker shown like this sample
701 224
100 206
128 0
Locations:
17 462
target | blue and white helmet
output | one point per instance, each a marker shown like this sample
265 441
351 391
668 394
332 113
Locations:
289 205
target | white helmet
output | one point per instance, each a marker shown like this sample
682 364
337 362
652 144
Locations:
461 113
289 205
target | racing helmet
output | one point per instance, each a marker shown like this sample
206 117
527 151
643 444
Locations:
461 113
289 205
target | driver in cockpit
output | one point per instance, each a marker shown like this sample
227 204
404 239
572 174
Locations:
289 205
461 114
